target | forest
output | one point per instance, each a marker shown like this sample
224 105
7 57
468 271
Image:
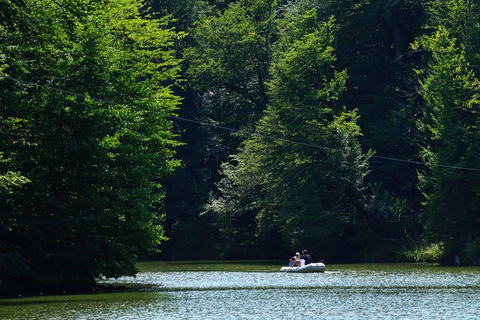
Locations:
235 129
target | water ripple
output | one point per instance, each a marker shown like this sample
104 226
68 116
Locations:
350 292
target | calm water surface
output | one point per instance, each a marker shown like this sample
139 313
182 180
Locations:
256 290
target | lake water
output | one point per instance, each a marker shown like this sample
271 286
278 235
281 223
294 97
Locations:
257 290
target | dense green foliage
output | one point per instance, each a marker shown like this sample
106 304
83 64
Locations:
450 127
85 201
346 127
298 195
272 77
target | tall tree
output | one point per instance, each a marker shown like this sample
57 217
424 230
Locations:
298 194
450 89
229 64
89 83
372 43
227 60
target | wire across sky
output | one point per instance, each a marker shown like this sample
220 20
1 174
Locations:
177 118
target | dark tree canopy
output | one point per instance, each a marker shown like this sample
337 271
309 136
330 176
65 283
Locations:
85 98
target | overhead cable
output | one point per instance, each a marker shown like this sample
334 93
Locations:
28 83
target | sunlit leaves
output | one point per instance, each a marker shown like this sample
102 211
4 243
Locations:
229 64
92 136
450 123
293 193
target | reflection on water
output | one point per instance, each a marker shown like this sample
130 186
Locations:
343 292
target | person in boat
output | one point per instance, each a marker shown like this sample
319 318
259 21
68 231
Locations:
295 260
306 256
291 261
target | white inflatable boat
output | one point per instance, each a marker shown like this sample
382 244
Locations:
312 267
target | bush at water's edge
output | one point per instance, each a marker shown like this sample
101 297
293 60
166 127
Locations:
424 253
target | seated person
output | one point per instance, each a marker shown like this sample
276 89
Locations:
307 257
302 262
295 261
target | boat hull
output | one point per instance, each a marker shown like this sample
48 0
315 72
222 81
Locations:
309 268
